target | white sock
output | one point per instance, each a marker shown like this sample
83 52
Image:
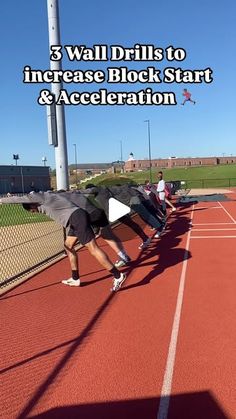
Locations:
122 254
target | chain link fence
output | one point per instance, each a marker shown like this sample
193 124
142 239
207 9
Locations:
27 241
30 241
210 183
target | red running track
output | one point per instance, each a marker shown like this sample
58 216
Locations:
162 347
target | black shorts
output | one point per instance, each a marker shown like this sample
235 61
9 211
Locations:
80 224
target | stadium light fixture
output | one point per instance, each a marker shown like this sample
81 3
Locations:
149 150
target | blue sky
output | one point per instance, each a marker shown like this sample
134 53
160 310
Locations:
206 30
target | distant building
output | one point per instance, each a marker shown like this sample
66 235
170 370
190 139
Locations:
91 168
24 179
131 157
135 165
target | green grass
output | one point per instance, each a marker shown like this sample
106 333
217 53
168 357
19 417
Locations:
14 214
195 177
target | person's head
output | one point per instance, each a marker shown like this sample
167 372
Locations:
147 182
31 207
185 90
160 175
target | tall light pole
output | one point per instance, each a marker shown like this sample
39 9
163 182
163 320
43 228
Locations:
149 150
44 160
16 157
61 157
22 179
121 151
121 156
76 178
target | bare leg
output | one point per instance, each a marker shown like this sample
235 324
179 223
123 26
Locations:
71 253
170 204
112 240
129 222
99 254
116 246
103 259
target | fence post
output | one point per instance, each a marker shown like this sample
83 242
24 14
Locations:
64 236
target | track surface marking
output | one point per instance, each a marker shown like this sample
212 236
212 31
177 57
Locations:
85 352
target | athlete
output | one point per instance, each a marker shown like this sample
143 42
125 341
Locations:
187 97
78 218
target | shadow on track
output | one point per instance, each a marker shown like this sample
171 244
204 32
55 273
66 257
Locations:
182 406
166 251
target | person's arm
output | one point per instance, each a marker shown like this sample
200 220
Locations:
89 191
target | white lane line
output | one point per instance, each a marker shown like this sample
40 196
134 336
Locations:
207 208
230 216
170 363
213 237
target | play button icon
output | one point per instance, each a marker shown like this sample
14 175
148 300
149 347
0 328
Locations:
117 209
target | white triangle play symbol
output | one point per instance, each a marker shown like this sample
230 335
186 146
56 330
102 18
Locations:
117 209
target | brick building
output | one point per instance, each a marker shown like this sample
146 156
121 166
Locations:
91 167
95 168
171 162
24 179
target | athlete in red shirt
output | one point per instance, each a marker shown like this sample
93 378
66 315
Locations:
187 96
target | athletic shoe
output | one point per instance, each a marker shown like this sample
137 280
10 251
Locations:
118 282
71 282
160 232
145 244
122 262
163 227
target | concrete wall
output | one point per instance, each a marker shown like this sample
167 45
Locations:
24 179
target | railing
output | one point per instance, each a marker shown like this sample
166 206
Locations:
27 241
208 183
